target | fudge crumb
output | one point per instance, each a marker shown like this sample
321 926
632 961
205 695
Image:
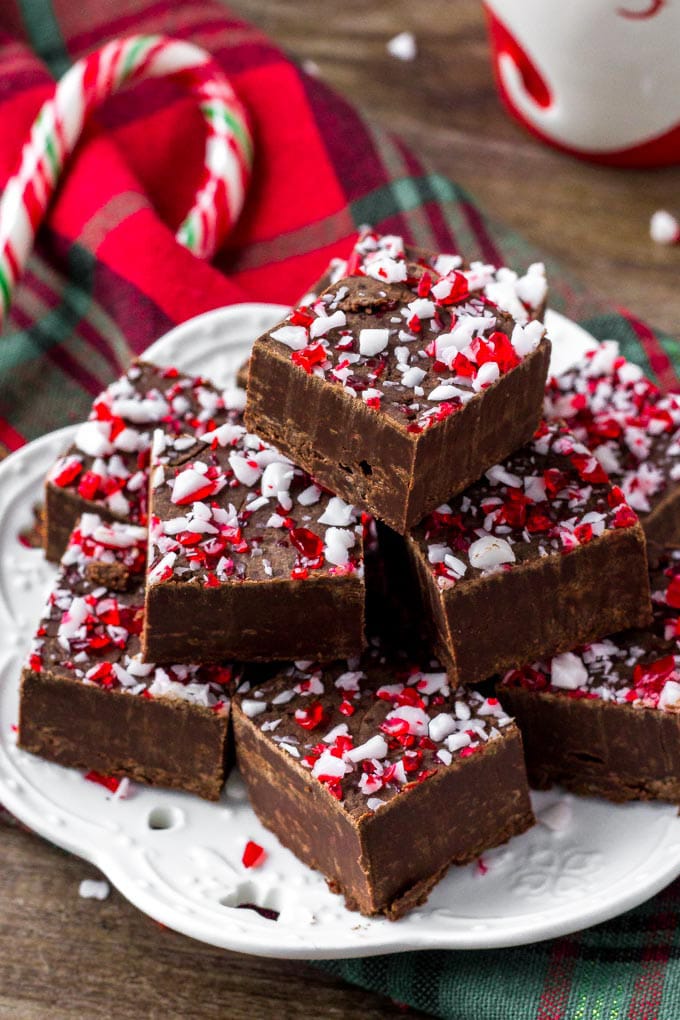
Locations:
114 576
32 536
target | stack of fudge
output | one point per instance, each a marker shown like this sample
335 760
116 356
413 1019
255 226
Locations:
316 579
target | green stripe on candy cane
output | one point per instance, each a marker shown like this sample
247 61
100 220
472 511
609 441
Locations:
6 284
227 159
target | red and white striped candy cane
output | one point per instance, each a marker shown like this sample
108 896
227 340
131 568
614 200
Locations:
57 128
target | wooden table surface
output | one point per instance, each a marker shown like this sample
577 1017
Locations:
63 957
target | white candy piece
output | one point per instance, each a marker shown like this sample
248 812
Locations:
349 681
251 707
422 307
490 551
458 740
664 228
487 374
443 725
374 747
276 478
328 765
153 407
557 817
437 552
532 288
92 438
167 563
403 46
323 323
413 376
568 672
526 339
373 341
444 392
602 362
226 435
387 270
246 471
338 513
498 475
338 543
670 696
416 718
122 537
294 337
309 496
445 264
338 731
186 483
89 889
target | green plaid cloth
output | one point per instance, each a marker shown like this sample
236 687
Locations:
108 278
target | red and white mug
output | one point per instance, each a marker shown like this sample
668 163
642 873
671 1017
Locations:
599 79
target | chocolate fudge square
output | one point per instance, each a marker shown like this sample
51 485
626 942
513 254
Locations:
380 776
542 553
249 558
87 699
604 720
105 470
632 428
403 382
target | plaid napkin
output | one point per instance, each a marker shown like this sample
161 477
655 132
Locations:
107 278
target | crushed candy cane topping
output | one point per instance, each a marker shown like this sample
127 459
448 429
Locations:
107 463
549 497
91 626
639 667
415 335
229 507
631 427
376 730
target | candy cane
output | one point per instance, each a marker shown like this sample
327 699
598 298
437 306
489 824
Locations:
58 126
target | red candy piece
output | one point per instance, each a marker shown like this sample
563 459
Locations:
673 592
254 855
307 543
309 357
109 782
311 717
89 484
197 495
69 470
624 517
302 317
103 674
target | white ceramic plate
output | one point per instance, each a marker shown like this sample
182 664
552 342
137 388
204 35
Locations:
179 859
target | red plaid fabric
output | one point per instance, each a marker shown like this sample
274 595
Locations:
108 276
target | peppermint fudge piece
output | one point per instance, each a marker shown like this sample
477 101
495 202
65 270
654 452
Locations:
604 720
105 470
249 558
518 295
87 699
542 553
400 384
381 776
633 430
